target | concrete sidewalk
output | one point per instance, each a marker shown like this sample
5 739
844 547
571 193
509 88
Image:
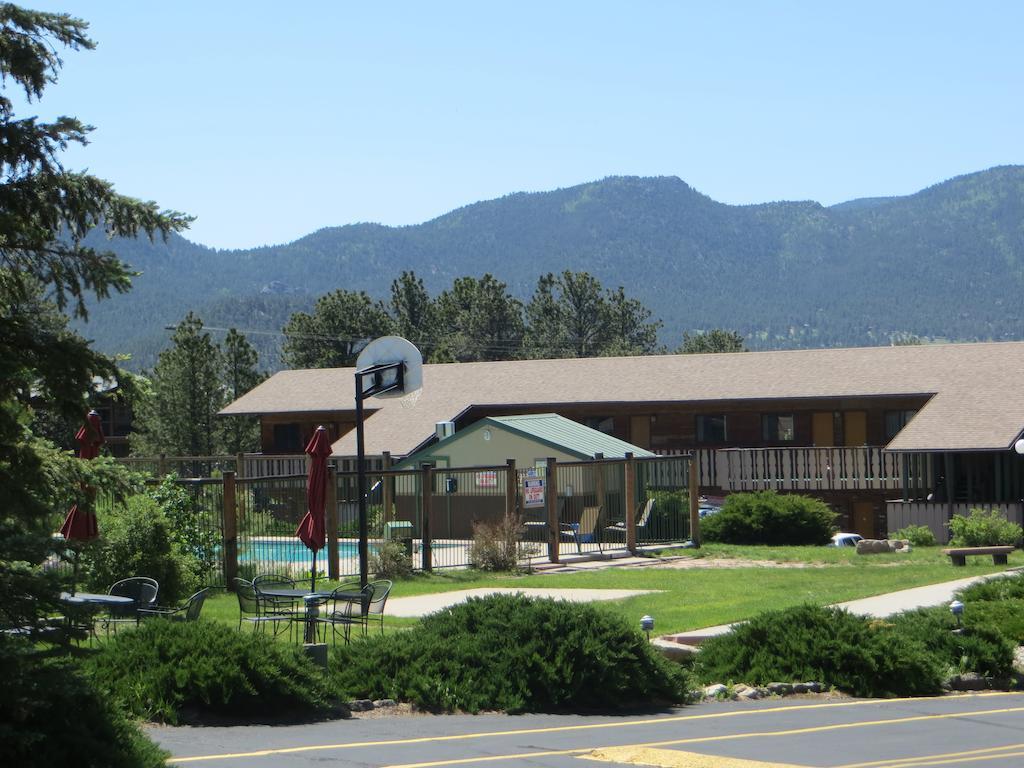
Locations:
878 606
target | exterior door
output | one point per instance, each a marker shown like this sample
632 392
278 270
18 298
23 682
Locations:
640 431
855 428
823 429
864 519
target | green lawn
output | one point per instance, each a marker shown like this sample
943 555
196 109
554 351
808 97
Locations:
694 598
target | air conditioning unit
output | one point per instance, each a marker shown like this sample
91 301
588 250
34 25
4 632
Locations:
444 429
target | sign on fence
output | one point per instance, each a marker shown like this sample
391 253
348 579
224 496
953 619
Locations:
533 492
486 479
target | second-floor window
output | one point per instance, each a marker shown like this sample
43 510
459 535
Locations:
895 421
778 428
711 428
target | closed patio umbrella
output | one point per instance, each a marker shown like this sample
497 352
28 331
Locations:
80 523
312 529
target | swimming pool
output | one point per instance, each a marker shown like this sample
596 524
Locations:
292 551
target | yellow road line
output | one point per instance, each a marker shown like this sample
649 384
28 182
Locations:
725 737
568 728
674 758
981 754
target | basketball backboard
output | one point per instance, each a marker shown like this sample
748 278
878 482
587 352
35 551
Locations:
389 350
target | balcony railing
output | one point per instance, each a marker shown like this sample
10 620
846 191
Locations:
802 469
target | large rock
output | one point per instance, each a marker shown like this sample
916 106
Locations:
880 546
672 650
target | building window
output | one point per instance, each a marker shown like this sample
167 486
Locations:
711 428
287 438
604 424
778 428
895 421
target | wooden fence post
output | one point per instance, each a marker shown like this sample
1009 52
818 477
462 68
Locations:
161 465
230 531
511 488
694 489
551 499
428 491
629 491
240 465
331 515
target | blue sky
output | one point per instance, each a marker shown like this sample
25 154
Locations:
269 123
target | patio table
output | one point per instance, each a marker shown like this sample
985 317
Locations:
89 603
312 600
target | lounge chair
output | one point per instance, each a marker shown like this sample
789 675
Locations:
619 528
189 611
586 530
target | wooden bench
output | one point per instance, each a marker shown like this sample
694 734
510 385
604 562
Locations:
959 554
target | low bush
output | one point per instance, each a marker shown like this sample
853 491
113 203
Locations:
512 653
983 528
917 535
1001 588
177 672
391 561
1005 616
766 517
828 645
496 546
978 647
51 715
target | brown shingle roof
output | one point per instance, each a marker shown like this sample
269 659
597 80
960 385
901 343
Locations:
979 402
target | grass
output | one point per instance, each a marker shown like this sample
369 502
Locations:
695 598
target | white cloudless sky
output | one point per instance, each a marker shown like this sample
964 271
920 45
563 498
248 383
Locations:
269 121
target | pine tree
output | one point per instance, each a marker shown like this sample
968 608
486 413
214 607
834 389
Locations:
239 374
332 337
178 417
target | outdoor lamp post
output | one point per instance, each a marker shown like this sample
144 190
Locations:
646 625
957 609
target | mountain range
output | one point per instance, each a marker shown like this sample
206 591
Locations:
944 263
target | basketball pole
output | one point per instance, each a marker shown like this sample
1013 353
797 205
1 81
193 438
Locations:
378 385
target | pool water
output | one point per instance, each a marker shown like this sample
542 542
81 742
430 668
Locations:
292 551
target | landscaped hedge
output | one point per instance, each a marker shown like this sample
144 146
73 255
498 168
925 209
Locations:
766 517
513 653
909 655
178 672
983 529
50 715
827 645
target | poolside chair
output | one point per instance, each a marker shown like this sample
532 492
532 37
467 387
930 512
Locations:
252 609
347 606
586 531
619 528
189 611
141 590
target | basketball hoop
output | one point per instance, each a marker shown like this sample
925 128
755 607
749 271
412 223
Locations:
387 367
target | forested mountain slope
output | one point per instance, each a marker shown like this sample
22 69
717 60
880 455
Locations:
946 262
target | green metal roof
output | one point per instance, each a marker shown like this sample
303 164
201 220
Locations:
566 434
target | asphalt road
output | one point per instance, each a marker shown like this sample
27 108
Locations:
968 731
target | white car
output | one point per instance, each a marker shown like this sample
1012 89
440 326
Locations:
845 540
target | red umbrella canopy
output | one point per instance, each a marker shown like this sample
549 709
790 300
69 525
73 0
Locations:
312 529
80 523
90 437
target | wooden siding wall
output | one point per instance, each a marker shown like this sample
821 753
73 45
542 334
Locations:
900 514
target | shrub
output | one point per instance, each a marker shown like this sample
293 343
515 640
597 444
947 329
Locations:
1002 588
766 517
828 645
496 546
917 535
51 715
1004 616
391 561
976 648
196 542
983 529
512 653
136 541
176 672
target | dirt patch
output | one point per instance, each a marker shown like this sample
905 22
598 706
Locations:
726 562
